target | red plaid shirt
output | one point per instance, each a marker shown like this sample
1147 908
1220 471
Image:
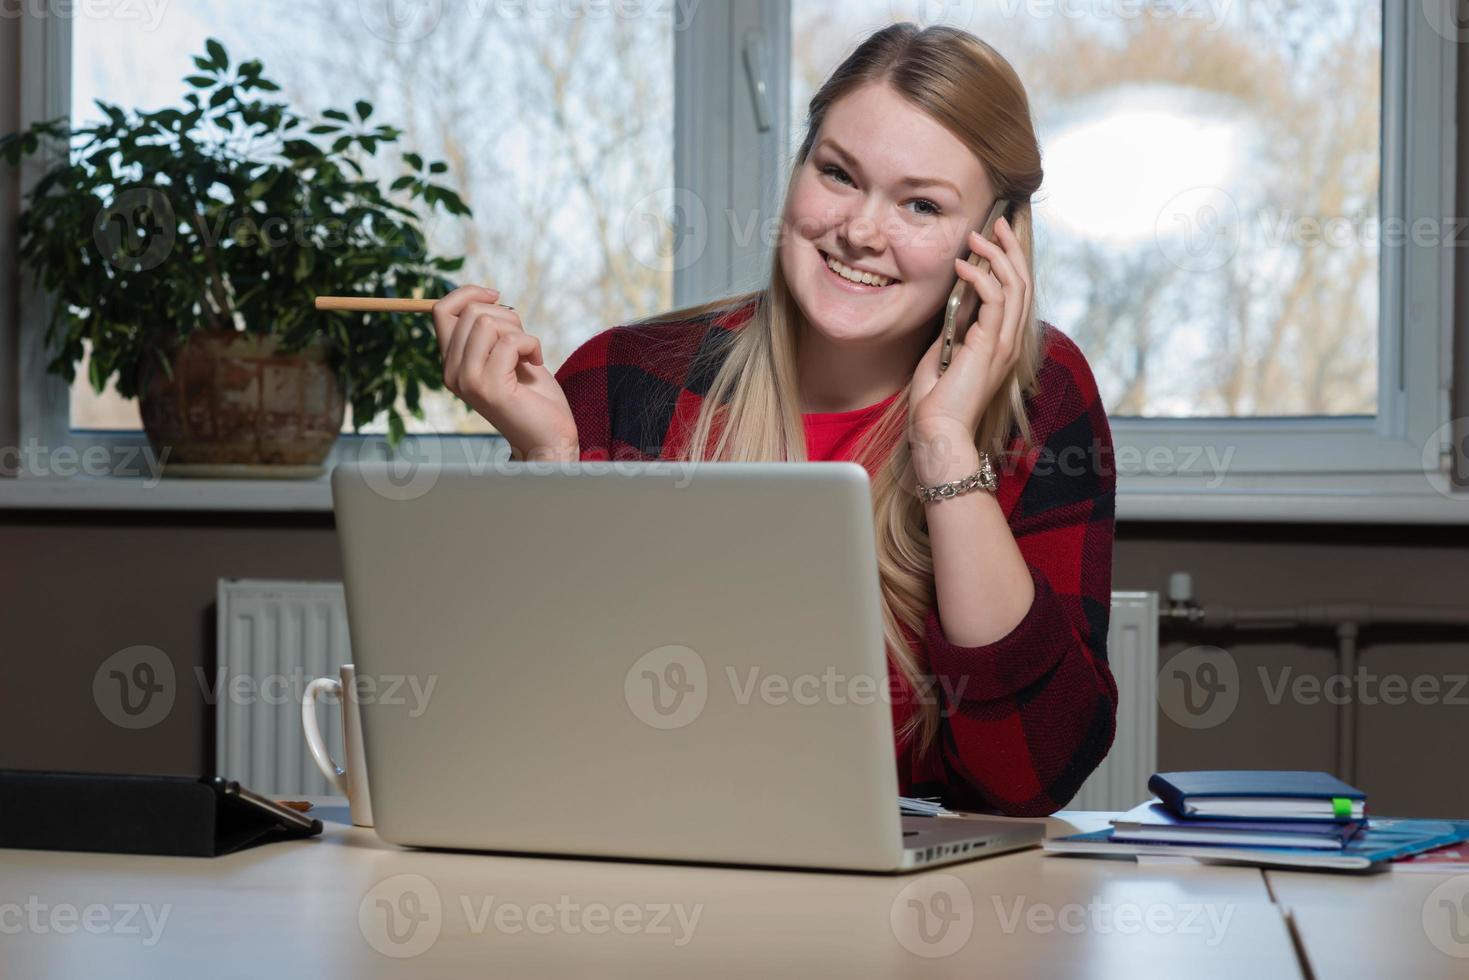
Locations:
1026 718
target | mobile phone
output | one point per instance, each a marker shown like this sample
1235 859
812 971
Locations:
266 806
963 305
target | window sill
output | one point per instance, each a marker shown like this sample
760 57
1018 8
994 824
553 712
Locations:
165 494
1337 500
1378 498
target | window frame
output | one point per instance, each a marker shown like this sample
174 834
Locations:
736 171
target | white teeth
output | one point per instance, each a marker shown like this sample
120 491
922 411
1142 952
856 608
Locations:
847 272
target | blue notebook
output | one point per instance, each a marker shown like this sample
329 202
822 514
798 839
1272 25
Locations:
1258 794
1382 841
1153 821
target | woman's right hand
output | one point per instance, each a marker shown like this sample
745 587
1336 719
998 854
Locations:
494 365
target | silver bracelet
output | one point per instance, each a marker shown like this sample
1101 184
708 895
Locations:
983 478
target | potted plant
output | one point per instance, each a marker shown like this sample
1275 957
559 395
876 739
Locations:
185 246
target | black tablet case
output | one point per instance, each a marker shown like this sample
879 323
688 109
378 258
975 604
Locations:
134 814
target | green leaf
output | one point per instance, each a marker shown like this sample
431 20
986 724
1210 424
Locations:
267 85
395 428
200 81
438 167
324 130
167 364
94 371
364 110
300 149
413 160
220 59
338 115
436 194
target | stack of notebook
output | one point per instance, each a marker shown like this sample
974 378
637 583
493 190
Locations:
1246 809
1271 817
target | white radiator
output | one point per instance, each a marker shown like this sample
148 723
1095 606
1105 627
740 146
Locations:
1121 781
274 637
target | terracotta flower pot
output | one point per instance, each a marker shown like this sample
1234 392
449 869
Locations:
234 399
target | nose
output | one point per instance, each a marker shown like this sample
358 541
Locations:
863 229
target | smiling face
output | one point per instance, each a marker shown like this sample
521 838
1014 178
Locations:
887 191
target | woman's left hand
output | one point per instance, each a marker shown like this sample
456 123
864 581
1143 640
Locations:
944 410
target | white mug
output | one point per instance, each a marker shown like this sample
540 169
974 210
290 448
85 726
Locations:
350 782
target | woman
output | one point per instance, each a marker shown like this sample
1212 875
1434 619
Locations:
995 604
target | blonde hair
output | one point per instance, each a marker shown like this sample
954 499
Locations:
753 401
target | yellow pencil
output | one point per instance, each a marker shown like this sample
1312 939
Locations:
378 304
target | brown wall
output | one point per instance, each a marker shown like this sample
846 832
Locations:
74 589
1409 757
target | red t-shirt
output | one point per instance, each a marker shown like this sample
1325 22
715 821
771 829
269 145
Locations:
833 435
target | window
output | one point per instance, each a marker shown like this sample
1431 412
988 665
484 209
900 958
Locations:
1214 228
556 131
1264 290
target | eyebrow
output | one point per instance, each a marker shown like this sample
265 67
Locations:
851 161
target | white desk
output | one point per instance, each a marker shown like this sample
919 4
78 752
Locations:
311 909
1382 925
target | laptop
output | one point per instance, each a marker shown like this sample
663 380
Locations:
655 660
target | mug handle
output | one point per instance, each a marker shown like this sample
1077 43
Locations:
334 773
